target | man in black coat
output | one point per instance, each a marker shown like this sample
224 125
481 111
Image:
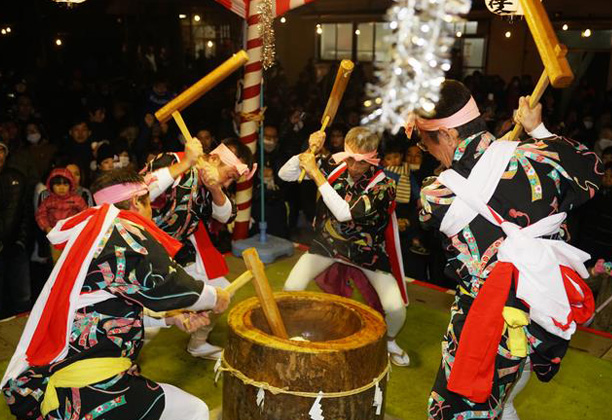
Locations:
15 224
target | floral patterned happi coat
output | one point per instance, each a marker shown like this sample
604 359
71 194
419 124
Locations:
361 240
180 209
131 265
543 177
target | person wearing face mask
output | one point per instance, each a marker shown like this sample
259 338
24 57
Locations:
36 154
605 141
520 289
587 133
276 207
187 192
353 224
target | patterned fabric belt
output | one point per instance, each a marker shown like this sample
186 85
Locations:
81 374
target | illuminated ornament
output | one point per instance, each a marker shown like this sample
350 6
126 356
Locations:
69 3
420 47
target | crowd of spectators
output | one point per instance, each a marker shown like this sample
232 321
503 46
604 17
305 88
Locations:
56 140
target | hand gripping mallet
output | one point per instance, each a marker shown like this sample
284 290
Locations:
556 67
342 78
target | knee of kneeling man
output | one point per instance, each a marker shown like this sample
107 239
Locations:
200 410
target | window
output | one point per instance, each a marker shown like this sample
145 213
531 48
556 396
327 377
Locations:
363 41
382 45
336 41
209 32
471 44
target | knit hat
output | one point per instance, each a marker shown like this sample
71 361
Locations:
104 152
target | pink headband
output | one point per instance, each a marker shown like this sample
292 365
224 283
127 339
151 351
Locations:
120 192
230 159
348 153
464 115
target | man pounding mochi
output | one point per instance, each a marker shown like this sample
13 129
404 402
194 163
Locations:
75 357
355 213
500 206
186 191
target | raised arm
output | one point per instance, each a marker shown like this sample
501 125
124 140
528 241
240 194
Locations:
290 172
162 174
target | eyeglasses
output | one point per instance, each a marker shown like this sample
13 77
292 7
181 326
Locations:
421 146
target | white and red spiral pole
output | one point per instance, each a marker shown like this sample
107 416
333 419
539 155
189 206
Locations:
249 127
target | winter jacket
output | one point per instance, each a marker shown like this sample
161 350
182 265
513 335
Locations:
15 208
55 208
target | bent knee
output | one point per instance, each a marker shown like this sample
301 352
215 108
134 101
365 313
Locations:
200 410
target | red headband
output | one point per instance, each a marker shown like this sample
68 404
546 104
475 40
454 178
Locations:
466 114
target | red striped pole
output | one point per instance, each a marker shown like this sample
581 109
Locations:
249 130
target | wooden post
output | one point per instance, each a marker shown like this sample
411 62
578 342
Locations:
264 293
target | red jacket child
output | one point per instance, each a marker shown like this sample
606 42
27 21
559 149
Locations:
62 202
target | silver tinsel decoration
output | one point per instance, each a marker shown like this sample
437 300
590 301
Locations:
421 44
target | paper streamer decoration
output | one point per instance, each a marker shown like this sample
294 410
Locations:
421 44
217 369
316 412
261 395
378 399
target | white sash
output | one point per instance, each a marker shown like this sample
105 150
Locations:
540 282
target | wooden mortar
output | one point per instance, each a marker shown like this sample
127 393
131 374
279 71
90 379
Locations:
346 350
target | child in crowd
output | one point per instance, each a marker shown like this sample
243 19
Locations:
105 157
401 163
75 170
62 202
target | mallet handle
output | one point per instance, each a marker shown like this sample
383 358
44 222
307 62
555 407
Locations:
335 97
233 287
535 97
178 119
264 293
205 84
312 150
240 281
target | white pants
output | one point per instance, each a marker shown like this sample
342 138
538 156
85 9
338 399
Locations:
200 336
509 412
180 405
310 265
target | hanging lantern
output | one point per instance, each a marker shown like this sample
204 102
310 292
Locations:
505 7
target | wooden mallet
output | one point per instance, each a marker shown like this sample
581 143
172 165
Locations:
264 293
173 108
233 287
342 78
557 70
